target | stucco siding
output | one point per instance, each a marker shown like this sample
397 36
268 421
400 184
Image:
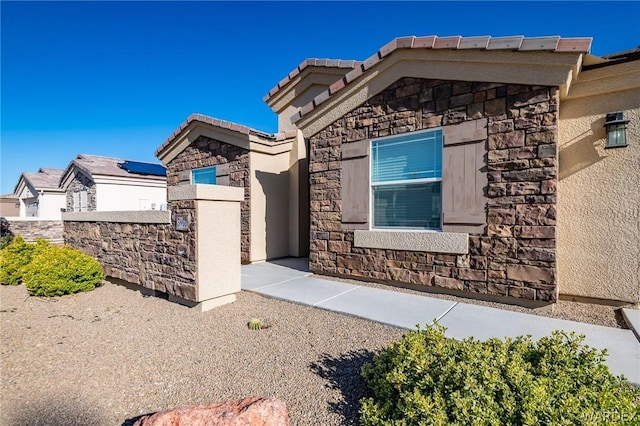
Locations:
118 197
599 200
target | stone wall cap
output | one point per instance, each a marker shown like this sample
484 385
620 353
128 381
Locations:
206 192
141 216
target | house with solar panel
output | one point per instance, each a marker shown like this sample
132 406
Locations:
96 183
38 194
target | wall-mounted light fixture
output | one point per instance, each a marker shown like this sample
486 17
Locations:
616 130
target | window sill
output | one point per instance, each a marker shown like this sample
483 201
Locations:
429 241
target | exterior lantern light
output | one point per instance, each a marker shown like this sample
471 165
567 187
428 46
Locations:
616 130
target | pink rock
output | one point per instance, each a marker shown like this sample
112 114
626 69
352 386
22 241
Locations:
254 411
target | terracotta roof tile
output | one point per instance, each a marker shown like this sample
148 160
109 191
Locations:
447 42
425 42
514 43
311 62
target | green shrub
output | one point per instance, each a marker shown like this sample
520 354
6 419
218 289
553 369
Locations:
5 240
61 270
428 379
15 257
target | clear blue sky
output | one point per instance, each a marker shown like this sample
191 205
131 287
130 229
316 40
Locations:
117 78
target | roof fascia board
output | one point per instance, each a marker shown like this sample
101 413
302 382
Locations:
70 174
605 84
133 181
310 76
196 129
535 68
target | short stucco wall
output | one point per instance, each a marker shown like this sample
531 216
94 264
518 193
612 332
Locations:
31 228
599 201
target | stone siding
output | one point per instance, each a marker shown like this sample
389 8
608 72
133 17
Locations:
206 152
152 255
82 182
50 230
515 256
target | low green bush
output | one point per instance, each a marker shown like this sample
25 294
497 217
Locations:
428 379
15 257
5 240
55 271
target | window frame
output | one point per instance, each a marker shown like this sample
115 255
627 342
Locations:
203 169
418 181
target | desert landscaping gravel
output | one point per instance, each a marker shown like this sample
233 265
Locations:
102 357
112 354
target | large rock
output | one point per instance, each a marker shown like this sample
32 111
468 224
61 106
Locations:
254 411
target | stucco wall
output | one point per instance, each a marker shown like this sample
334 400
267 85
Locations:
269 206
120 197
599 200
51 204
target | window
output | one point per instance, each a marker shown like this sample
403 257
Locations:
406 181
80 201
204 175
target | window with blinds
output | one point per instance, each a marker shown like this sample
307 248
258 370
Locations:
406 181
205 175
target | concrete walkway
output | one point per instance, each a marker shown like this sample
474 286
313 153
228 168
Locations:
290 279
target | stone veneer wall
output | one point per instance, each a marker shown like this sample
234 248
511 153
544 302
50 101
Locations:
152 255
205 152
82 182
516 255
50 230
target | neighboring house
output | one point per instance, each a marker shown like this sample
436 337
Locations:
496 167
95 183
39 194
9 205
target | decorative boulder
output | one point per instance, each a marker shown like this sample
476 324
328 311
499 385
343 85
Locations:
254 411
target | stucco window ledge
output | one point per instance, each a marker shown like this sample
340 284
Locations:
435 242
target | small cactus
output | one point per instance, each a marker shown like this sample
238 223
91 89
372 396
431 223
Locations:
255 324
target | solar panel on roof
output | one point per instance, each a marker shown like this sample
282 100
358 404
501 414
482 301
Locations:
139 168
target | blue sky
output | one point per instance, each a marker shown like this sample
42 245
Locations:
117 78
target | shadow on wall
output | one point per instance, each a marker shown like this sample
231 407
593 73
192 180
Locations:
275 187
343 374
580 152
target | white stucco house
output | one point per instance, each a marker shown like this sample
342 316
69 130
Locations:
95 183
40 195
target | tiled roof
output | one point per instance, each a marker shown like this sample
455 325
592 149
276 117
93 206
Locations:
513 43
234 127
106 166
45 178
311 62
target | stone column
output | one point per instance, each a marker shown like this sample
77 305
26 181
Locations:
216 223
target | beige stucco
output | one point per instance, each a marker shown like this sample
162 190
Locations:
269 205
598 190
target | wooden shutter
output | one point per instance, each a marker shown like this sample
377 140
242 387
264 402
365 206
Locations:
222 174
76 201
84 207
184 177
355 184
464 177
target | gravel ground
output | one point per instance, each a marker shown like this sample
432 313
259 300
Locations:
102 357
